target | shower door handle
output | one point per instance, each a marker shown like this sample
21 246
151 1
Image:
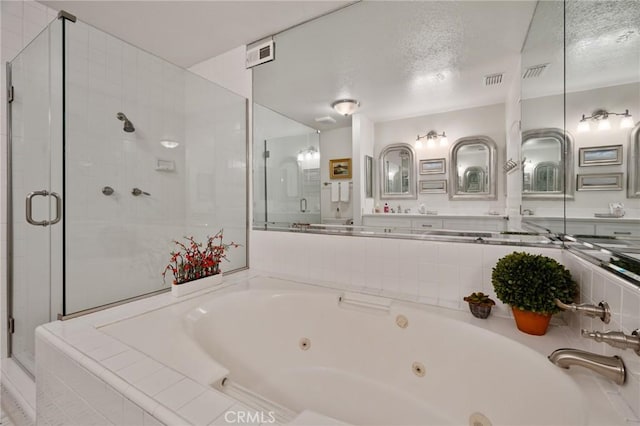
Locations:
58 208
303 205
29 208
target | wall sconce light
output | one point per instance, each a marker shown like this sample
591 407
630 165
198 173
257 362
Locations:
345 107
602 117
310 153
432 137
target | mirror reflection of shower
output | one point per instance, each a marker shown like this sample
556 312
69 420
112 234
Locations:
128 125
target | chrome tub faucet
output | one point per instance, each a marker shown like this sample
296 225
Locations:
617 339
601 311
611 367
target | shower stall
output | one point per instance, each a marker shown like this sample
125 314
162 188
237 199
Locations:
286 176
113 154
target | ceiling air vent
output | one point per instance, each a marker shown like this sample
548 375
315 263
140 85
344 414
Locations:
534 71
325 120
260 53
493 79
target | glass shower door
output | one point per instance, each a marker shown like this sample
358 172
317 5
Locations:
35 188
292 174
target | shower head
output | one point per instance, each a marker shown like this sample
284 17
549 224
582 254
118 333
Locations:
128 125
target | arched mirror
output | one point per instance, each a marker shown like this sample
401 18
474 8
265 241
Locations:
472 175
545 154
398 172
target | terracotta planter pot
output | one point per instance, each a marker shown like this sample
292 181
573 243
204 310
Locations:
531 322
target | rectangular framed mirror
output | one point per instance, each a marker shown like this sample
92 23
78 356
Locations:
433 186
610 155
600 182
434 166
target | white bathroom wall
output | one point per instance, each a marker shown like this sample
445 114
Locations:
334 144
547 112
20 22
487 121
363 136
513 184
228 70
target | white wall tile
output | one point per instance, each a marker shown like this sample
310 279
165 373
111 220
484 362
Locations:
597 287
132 414
112 405
630 318
613 296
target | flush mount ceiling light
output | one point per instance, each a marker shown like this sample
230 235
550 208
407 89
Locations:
432 137
169 144
601 116
345 107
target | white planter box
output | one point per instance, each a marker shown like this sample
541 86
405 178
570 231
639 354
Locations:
178 290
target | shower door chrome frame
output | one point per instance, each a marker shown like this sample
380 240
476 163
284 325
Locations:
48 193
9 212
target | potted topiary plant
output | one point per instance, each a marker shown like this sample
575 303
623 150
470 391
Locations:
479 304
530 284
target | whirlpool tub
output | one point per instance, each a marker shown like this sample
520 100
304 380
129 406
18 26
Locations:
286 347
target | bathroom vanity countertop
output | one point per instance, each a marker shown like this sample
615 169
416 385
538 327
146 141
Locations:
585 218
436 216
81 339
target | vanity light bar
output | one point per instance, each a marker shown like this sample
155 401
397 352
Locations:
602 117
432 136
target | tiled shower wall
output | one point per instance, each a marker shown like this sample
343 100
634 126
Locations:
123 236
442 273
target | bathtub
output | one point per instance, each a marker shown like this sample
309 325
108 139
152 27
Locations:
286 348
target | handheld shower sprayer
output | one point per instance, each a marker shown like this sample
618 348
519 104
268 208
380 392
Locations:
128 125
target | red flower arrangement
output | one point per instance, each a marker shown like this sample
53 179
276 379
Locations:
194 260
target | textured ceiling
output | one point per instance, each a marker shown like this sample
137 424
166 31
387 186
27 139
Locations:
399 59
602 46
188 32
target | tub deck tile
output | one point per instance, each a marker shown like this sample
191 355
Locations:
206 408
183 392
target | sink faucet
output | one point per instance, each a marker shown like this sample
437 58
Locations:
611 367
527 212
